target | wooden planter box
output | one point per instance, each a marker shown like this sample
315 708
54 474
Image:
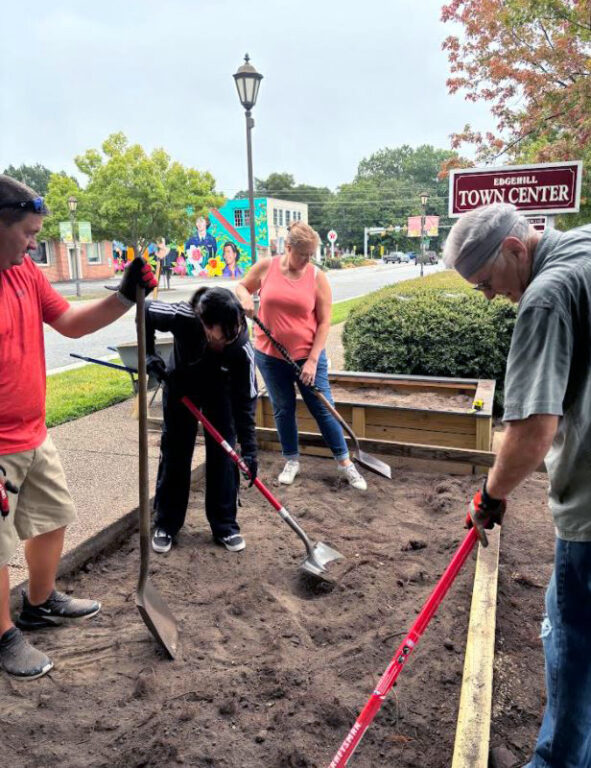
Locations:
385 428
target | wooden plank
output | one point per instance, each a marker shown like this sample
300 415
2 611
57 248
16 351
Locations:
420 436
387 448
400 377
433 421
486 392
473 728
358 421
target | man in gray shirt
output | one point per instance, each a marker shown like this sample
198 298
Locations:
548 417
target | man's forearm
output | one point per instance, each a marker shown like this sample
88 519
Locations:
523 449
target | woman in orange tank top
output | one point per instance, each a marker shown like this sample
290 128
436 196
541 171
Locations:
296 303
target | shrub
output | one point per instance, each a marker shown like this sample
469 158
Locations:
333 263
433 326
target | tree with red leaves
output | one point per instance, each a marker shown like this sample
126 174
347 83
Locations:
531 59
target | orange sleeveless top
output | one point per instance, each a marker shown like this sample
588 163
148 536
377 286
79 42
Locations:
287 308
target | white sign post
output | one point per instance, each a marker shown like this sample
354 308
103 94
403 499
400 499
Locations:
332 238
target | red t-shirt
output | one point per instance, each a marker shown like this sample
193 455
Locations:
26 301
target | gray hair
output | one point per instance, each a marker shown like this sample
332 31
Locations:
477 237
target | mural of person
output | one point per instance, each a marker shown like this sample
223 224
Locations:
231 256
167 257
203 240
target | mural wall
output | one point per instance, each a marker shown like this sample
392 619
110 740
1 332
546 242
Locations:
219 245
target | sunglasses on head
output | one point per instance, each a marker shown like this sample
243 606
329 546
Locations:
36 205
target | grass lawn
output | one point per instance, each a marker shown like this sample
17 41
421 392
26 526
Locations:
340 310
76 393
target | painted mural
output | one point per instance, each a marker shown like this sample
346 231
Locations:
219 245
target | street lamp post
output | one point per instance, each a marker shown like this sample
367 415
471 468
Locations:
247 81
72 205
424 198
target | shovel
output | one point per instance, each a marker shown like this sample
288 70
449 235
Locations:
153 610
365 459
318 555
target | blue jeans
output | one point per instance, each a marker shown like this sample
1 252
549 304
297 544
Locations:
280 379
564 740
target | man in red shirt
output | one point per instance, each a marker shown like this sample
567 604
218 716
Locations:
38 505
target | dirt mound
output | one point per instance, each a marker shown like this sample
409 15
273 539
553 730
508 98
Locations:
273 666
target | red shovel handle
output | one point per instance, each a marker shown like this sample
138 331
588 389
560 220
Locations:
407 646
230 451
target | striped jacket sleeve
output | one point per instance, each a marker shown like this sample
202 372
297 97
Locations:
244 398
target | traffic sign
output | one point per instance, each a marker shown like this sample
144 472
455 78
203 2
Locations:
332 236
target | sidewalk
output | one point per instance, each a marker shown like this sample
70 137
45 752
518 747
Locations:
100 457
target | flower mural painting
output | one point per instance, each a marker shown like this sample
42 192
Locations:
214 267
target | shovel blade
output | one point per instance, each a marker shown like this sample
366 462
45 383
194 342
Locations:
373 464
321 555
158 618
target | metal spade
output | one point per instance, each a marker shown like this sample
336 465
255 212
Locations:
153 610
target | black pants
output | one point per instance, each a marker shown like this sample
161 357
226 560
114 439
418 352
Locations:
174 471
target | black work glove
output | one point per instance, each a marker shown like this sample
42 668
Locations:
484 513
138 272
253 467
156 367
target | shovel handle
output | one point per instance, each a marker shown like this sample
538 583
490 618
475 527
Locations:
218 437
144 490
404 650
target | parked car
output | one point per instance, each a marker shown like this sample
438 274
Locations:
395 257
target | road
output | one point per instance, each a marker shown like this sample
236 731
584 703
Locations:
346 284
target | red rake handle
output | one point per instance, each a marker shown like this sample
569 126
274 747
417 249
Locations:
230 451
407 646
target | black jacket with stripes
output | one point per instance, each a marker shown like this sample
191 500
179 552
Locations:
197 371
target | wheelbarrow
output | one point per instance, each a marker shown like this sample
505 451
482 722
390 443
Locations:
128 353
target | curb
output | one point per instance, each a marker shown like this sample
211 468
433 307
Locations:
101 543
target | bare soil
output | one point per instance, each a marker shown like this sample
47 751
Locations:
273 667
431 401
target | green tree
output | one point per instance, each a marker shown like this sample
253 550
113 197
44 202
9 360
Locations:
387 190
59 189
35 176
136 197
283 187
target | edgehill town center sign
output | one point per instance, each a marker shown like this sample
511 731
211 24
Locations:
547 188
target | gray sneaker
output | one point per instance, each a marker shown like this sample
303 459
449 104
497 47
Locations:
57 609
20 659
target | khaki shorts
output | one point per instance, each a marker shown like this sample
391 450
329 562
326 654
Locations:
43 502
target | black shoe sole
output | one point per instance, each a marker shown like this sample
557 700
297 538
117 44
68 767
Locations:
45 622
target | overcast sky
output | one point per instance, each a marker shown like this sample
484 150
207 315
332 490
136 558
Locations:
342 79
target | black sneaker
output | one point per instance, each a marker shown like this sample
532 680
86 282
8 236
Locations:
161 541
57 609
20 659
233 543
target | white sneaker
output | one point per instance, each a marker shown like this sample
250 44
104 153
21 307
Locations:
353 477
289 472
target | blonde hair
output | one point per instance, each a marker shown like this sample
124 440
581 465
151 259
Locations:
302 237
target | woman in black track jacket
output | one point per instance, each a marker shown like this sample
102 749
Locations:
213 364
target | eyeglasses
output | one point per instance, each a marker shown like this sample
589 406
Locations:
36 205
483 286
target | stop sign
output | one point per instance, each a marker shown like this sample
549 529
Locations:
332 236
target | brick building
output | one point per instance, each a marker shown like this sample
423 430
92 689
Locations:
95 260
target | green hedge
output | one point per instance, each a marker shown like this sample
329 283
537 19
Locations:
431 326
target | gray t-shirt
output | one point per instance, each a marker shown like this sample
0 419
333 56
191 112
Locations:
549 370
